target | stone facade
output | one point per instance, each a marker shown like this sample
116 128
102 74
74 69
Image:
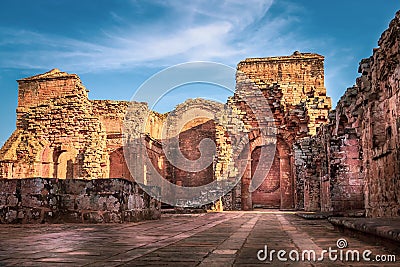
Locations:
353 162
62 134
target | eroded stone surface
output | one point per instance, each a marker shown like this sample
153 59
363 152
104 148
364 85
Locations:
353 162
40 200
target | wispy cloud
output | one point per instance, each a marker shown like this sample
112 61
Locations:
224 31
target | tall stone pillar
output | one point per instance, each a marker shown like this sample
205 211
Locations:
247 203
286 182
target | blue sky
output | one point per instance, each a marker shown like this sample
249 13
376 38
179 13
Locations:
114 46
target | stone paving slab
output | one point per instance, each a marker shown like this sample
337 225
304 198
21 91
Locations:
212 239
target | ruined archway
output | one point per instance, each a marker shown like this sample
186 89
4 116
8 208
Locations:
64 167
267 195
186 128
277 188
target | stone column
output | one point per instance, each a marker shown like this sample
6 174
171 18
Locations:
286 182
247 203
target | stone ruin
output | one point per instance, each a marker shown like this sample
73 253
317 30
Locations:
353 162
62 134
339 161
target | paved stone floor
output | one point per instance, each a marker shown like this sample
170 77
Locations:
212 239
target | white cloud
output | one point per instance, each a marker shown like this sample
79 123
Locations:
223 31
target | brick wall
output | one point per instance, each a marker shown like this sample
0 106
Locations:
53 84
189 140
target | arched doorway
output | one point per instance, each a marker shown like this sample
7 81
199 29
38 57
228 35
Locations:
65 167
277 188
268 194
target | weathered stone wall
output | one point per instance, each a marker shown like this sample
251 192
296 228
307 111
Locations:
34 90
43 200
57 134
62 134
300 79
189 143
60 137
307 178
380 137
353 162
111 114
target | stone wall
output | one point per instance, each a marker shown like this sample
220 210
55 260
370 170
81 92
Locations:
189 143
34 90
353 162
57 133
44 200
62 134
379 93
300 80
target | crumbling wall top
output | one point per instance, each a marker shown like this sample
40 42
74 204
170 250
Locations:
52 74
39 89
294 57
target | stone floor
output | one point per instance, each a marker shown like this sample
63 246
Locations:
211 239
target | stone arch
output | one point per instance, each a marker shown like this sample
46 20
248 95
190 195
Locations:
191 108
64 163
267 195
277 189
